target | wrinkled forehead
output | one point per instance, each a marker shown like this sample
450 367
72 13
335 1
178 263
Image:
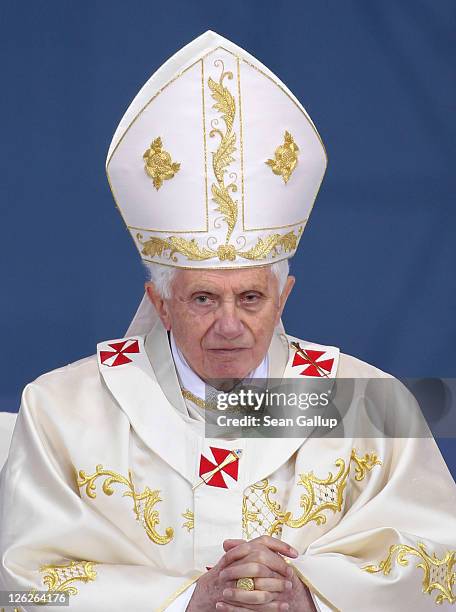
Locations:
260 278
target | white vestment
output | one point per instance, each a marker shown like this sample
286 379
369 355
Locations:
97 494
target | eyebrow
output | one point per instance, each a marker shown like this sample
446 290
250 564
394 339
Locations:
200 288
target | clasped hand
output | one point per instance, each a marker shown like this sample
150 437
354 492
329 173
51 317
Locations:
277 588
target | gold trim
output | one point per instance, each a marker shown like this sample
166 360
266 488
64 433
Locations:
241 136
427 563
186 394
145 229
203 98
143 503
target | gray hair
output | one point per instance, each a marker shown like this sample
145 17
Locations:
162 276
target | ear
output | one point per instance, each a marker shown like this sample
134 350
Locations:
159 303
289 283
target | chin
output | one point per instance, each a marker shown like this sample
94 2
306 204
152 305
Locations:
228 372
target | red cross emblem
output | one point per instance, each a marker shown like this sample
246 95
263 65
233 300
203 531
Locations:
118 356
225 461
310 358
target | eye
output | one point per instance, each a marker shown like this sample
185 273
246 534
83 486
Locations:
251 298
202 299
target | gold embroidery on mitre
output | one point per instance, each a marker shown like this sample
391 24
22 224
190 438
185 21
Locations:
190 522
263 515
285 158
222 189
61 578
158 164
143 503
223 156
275 244
438 573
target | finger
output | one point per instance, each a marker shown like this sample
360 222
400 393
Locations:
271 560
278 546
229 544
274 606
273 585
241 596
273 544
224 607
253 570
248 552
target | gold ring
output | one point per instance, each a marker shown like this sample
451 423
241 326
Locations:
247 584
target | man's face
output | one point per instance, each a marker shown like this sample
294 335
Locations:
222 320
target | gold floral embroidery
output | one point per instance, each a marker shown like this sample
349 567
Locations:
143 503
438 573
262 514
364 464
61 578
285 158
190 522
223 156
273 245
158 163
154 247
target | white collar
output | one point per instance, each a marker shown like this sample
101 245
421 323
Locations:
192 382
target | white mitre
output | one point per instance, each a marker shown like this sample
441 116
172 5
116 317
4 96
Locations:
215 164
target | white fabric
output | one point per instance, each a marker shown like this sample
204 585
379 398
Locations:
220 115
144 319
90 436
180 604
193 383
7 422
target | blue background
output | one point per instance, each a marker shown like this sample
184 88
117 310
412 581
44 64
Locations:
376 266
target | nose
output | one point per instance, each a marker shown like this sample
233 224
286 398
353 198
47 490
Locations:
227 323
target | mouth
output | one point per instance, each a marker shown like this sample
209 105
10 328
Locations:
226 351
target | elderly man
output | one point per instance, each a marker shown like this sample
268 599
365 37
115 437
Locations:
114 494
